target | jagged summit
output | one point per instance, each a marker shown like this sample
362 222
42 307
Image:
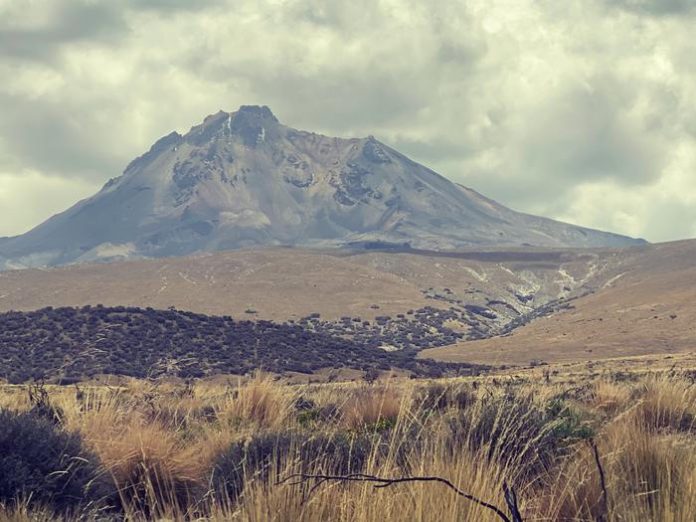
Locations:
249 122
243 179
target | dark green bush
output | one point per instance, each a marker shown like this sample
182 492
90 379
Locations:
48 466
569 423
34 345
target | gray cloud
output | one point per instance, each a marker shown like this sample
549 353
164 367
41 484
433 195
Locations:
66 22
584 135
169 6
656 7
47 136
583 112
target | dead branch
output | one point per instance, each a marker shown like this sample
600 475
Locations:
602 481
511 501
381 482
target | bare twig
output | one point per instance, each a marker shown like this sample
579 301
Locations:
511 501
381 482
602 481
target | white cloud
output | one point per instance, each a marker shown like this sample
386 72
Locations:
30 197
581 110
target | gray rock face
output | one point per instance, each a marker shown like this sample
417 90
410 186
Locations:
242 179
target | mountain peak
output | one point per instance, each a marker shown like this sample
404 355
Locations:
260 113
241 179
249 122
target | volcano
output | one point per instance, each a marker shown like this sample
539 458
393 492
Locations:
242 179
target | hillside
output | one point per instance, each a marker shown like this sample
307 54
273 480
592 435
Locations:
647 307
243 179
474 292
497 306
71 343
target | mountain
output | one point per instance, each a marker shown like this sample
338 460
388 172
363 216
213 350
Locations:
243 179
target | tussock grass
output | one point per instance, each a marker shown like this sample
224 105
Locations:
377 407
204 451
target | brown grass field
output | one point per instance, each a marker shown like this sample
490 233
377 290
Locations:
222 450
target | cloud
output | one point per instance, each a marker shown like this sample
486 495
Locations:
655 7
61 22
585 135
45 136
30 197
173 5
584 111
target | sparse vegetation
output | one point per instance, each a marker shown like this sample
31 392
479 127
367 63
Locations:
221 450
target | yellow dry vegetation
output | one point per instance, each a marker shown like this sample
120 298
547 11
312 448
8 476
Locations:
162 443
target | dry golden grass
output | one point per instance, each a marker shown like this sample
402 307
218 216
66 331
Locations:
161 445
370 406
609 397
258 403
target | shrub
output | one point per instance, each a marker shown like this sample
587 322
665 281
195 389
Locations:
517 432
41 405
41 462
438 397
273 456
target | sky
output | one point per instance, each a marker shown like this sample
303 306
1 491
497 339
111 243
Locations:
583 111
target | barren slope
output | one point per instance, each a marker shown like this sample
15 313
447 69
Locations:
287 283
622 302
647 307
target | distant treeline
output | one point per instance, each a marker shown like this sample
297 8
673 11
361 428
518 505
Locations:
67 344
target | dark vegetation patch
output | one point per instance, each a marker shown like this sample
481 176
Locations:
66 344
419 329
46 466
513 430
268 456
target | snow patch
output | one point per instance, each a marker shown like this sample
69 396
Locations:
186 278
566 281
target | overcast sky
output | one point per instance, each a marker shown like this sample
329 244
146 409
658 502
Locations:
583 111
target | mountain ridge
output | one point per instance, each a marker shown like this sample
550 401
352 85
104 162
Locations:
243 179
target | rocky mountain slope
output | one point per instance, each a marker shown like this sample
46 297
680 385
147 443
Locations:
243 179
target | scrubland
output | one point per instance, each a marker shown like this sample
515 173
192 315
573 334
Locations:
600 445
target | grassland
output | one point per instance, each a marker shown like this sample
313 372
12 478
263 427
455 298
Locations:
221 450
